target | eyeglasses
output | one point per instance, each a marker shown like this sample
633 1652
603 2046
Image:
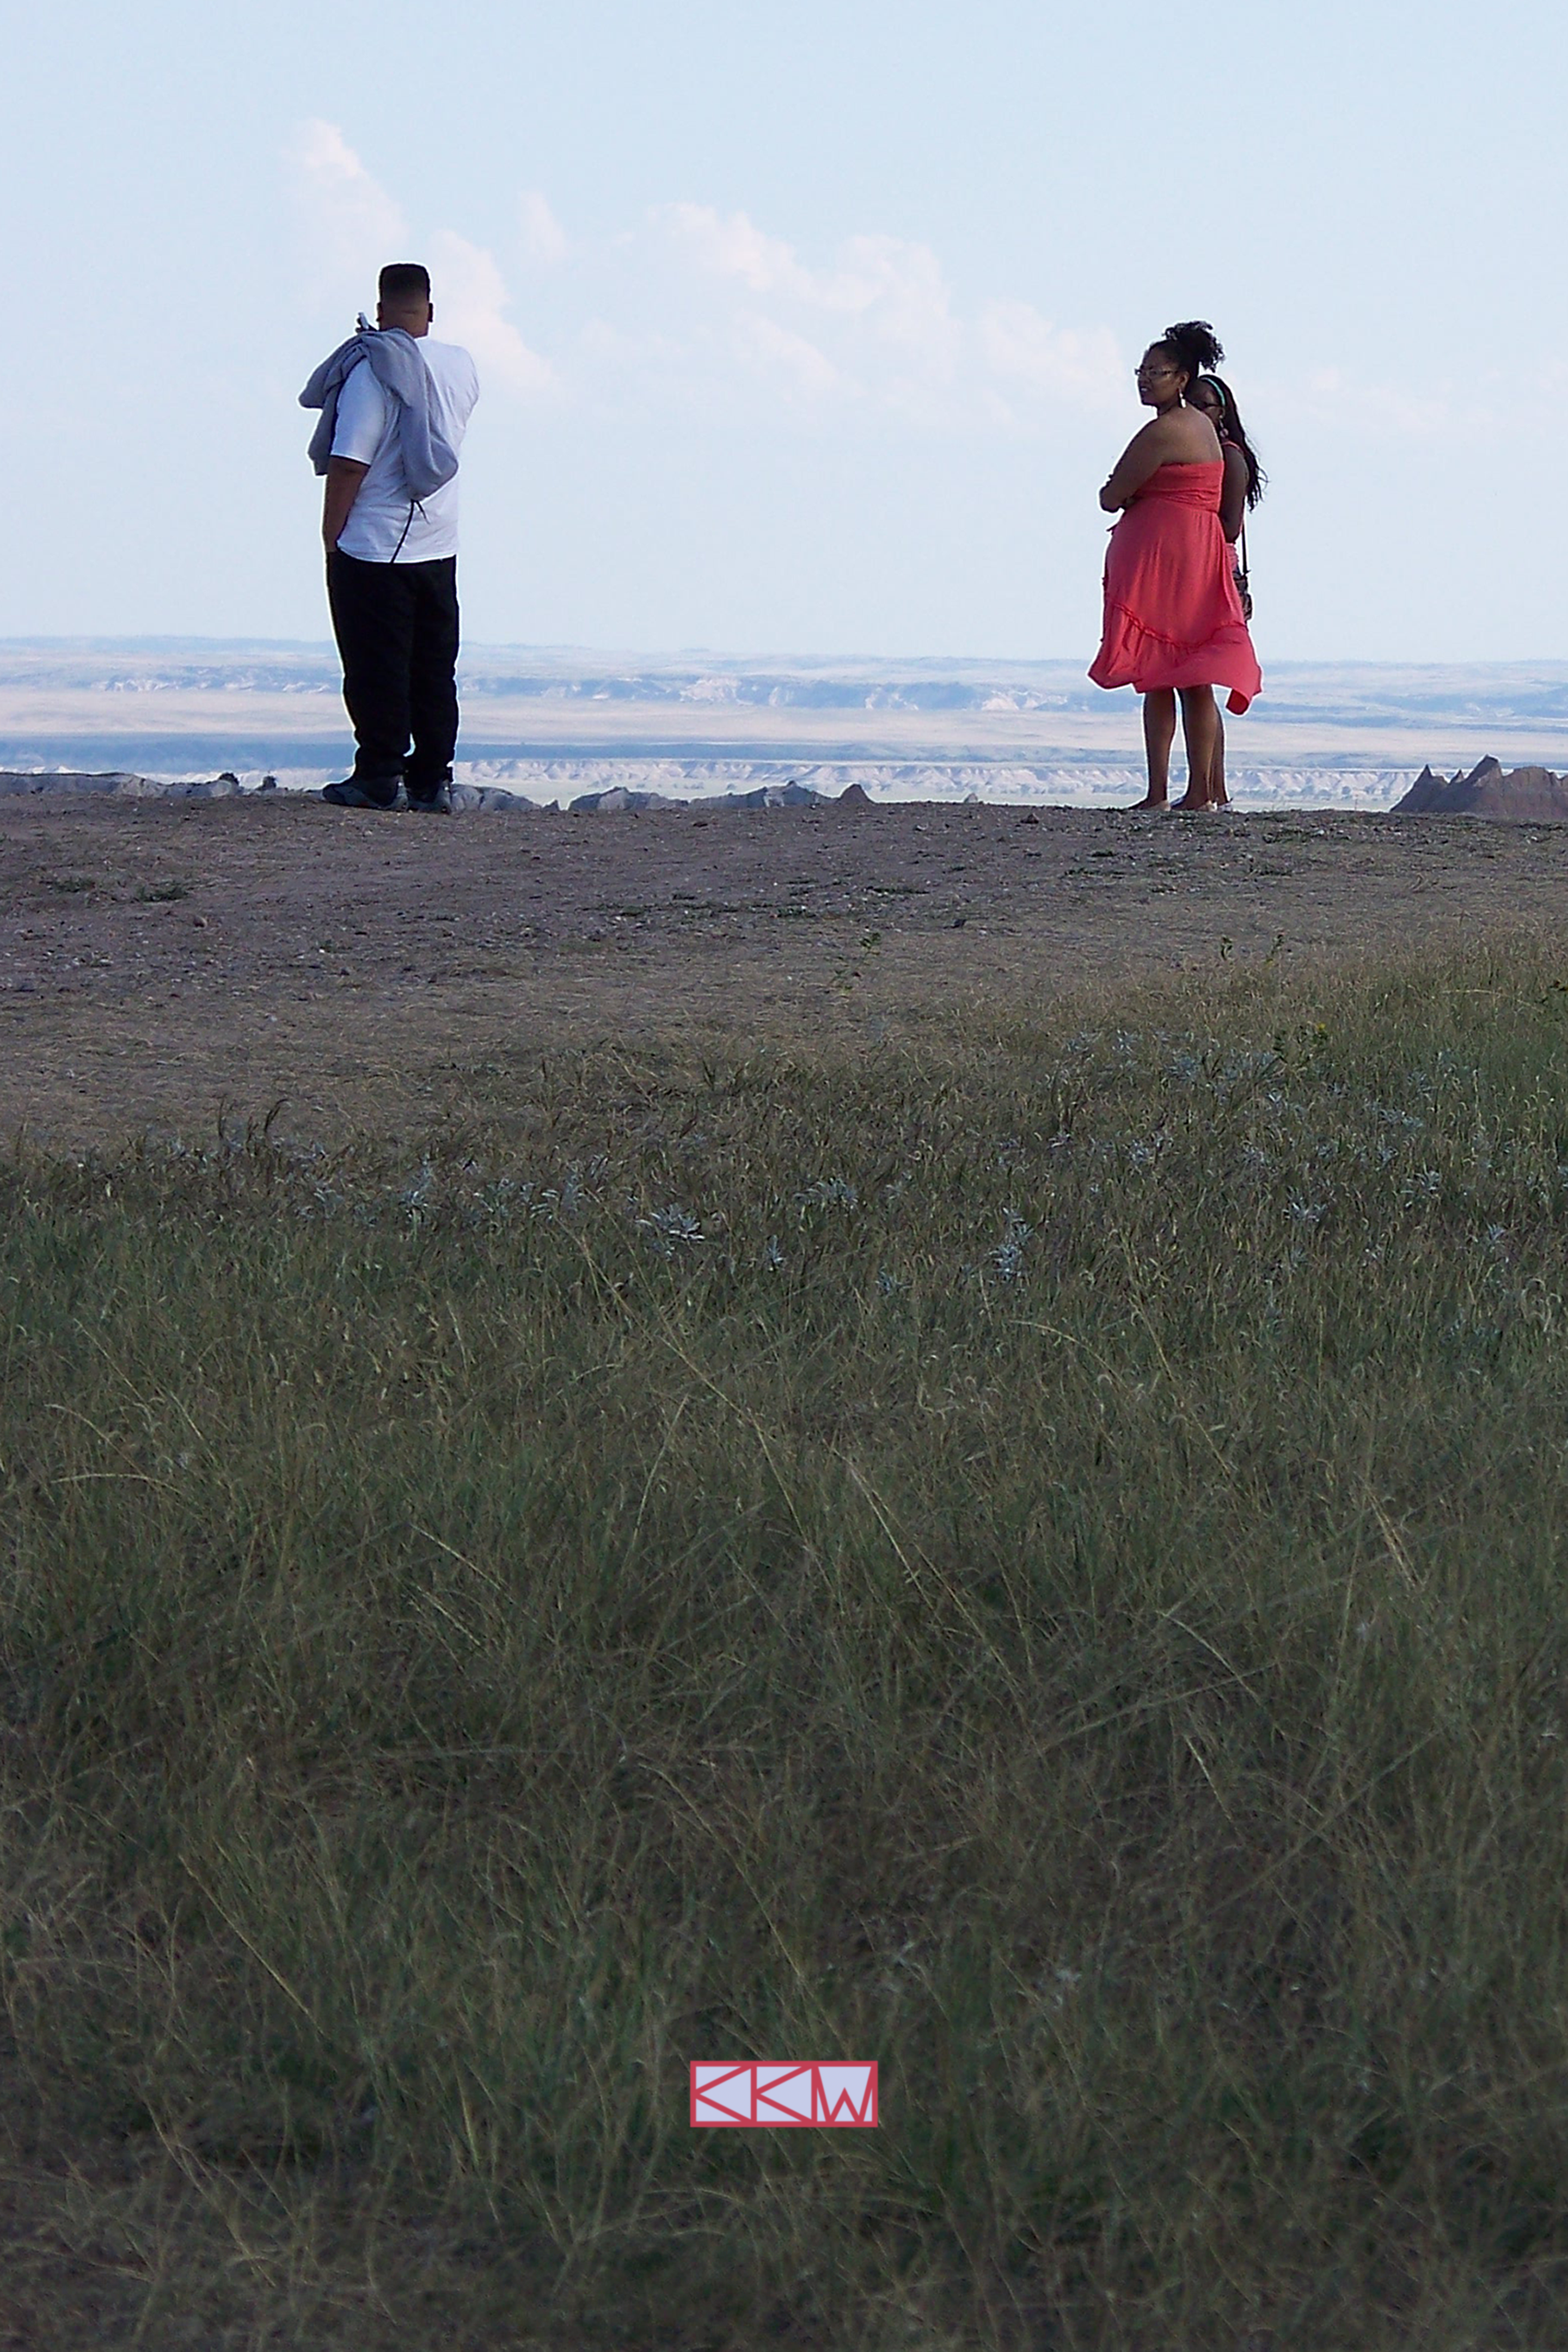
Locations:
1141 373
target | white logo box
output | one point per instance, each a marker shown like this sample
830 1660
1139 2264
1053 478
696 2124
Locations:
772 2094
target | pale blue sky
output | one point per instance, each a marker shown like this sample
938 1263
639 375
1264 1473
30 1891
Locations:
802 329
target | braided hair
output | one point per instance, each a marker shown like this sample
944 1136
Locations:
1231 430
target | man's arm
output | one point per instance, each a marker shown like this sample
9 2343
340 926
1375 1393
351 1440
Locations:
345 476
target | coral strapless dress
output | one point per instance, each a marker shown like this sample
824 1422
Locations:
1173 617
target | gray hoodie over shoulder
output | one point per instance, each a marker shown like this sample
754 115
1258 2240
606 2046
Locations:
428 457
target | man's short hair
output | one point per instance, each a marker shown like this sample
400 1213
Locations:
402 282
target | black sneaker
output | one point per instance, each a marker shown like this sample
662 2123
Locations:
349 794
436 804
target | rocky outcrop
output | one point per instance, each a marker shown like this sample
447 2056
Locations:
1523 796
614 800
117 785
790 795
468 800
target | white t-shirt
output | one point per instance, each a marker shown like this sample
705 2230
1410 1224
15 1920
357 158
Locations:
385 526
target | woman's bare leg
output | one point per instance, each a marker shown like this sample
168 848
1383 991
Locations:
1218 796
1159 734
1200 725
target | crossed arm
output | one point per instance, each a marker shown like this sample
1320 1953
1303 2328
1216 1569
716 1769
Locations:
345 476
1144 454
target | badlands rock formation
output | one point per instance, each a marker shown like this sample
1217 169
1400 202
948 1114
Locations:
1525 796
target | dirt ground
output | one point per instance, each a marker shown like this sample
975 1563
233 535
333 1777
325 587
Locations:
163 963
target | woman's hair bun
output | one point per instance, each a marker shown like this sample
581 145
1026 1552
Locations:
1195 345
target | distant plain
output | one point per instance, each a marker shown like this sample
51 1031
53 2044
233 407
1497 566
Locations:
553 721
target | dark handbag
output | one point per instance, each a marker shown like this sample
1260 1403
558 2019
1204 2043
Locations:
1244 579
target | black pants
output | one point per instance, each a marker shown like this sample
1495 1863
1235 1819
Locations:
397 627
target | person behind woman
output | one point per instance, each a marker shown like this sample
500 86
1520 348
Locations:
1174 624
1243 481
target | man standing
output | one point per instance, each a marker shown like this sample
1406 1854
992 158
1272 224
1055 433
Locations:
394 406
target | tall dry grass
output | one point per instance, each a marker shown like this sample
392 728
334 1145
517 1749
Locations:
1038 1561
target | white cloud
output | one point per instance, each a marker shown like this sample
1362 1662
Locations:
737 249
896 287
883 320
779 353
471 301
1020 345
543 238
716 302
901 293
350 224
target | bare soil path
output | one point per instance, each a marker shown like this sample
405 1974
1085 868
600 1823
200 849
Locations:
161 962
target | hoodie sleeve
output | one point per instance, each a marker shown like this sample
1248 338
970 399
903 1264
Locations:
365 414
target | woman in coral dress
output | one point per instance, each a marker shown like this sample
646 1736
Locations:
1174 623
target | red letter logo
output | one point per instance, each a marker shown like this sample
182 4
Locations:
767 2095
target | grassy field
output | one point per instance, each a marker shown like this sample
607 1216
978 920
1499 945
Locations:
1038 1562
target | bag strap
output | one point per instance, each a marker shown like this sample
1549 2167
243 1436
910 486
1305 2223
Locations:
1245 567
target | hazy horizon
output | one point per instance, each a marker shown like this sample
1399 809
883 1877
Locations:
553 722
658 654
